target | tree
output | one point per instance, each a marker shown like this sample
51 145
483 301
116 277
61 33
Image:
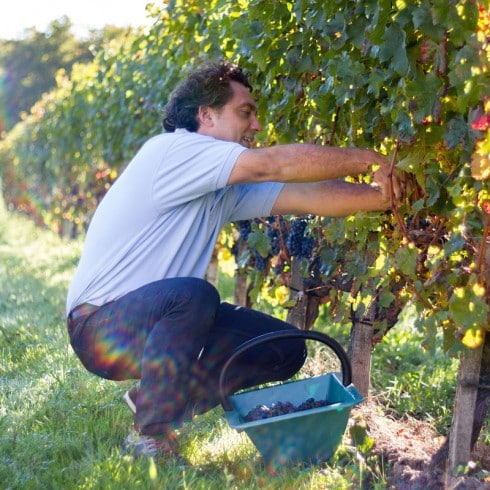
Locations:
29 65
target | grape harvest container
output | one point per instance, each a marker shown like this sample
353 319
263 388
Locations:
308 436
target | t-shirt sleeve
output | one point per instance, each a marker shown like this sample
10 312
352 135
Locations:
255 200
192 166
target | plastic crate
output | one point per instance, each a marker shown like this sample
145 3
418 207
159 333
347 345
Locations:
307 436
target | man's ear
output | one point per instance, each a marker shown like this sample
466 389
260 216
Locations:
205 116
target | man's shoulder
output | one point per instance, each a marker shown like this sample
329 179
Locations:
180 135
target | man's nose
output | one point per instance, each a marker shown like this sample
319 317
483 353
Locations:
256 126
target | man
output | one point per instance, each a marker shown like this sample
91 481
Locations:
138 306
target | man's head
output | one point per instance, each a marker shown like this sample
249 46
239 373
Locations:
215 100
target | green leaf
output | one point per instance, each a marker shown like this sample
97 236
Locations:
456 133
433 189
386 298
393 49
382 14
404 126
421 14
423 20
425 92
406 259
468 307
260 241
376 81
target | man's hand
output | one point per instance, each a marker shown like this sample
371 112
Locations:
388 182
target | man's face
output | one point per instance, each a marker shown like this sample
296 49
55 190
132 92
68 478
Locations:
235 121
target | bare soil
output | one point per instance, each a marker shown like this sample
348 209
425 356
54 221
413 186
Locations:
408 446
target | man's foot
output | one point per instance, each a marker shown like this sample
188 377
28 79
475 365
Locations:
130 398
137 445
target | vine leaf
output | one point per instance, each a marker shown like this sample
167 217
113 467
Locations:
469 311
473 338
406 260
393 49
260 242
425 92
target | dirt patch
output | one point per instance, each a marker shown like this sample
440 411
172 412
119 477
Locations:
408 446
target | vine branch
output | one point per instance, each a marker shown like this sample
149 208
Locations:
393 203
483 246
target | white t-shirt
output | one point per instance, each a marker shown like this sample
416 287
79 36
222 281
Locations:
162 216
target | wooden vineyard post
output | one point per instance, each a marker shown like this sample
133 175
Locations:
472 399
463 434
212 271
360 349
362 335
483 397
241 288
305 311
464 409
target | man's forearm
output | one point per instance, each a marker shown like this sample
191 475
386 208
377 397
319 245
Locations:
331 198
313 163
303 163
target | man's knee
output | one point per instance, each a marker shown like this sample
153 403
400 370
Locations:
202 296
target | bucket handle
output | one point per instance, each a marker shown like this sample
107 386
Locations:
285 334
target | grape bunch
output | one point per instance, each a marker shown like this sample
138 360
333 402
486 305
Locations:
295 238
261 412
260 263
273 234
244 228
306 248
276 231
300 245
312 403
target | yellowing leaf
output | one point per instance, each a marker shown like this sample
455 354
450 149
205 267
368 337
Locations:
480 167
282 294
480 162
468 308
473 338
225 254
289 304
479 290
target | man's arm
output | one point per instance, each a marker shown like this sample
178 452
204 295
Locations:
302 163
334 198
311 172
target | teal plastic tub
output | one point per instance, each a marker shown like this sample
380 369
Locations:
308 436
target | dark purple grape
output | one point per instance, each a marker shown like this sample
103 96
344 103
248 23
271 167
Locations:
261 412
306 248
296 235
260 263
275 239
244 228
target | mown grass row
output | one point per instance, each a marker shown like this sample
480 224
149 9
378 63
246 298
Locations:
61 427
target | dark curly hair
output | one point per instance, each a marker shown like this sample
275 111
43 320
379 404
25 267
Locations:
208 85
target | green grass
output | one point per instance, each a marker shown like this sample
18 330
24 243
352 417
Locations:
61 427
